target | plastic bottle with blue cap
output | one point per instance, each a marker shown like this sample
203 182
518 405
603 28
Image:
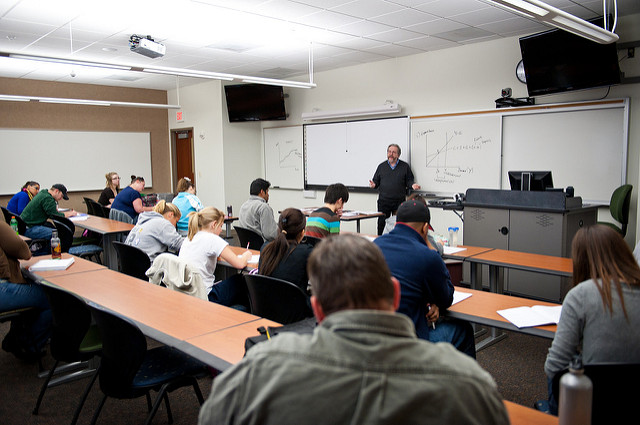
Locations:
453 236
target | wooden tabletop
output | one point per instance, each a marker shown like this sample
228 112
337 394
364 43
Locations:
482 307
103 225
467 252
79 265
522 415
238 250
525 261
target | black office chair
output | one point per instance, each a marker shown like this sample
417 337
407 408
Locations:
131 260
277 299
7 217
82 248
7 214
73 339
250 237
94 208
613 399
619 208
312 240
128 370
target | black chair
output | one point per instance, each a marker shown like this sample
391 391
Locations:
7 214
277 299
73 340
131 260
128 370
312 240
613 399
82 248
250 237
94 208
22 226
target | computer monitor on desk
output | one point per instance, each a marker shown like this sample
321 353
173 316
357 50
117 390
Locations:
530 180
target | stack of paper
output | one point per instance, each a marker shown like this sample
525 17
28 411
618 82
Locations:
452 250
537 315
44 265
79 217
460 296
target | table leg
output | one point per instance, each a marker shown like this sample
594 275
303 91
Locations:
228 228
496 287
358 226
494 281
475 273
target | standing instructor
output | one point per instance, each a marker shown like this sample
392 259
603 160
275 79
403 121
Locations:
393 179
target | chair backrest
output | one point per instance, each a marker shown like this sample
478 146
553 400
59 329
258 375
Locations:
250 237
7 214
94 208
131 260
177 274
619 205
123 350
22 226
277 299
71 321
313 241
613 399
65 233
120 216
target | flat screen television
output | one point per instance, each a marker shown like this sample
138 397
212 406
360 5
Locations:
557 61
255 102
530 180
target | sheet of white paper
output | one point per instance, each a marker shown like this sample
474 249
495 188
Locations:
452 250
460 296
524 317
44 265
79 217
253 259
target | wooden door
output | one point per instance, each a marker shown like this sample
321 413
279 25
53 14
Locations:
184 154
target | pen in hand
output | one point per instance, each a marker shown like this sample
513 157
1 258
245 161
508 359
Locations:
433 324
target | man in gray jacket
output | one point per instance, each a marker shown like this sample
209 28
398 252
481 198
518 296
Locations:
363 364
256 214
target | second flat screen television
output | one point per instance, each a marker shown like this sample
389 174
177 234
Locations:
255 102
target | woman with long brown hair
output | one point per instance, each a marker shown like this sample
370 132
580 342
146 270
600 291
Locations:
600 316
286 256
111 189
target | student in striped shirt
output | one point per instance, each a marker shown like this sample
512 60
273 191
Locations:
325 221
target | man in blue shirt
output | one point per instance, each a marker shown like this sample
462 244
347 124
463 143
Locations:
425 284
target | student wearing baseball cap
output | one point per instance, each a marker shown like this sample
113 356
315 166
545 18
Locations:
425 284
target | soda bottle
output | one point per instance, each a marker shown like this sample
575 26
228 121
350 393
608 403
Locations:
56 247
14 224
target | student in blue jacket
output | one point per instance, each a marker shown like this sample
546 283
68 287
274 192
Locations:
22 198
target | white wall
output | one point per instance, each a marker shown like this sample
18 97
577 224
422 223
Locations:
453 80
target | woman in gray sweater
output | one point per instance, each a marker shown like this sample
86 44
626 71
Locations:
601 314
156 231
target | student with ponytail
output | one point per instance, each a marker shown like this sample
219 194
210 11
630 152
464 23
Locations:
202 248
156 232
286 257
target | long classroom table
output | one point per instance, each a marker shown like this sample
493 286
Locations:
109 229
212 333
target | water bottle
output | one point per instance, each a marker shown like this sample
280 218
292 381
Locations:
14 224
453 236
56 247
576 393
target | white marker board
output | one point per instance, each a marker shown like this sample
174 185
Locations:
78 159
283 157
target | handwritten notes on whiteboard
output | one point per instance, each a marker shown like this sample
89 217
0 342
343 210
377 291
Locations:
452 154
283 156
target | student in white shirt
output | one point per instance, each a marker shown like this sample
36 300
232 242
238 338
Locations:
202 248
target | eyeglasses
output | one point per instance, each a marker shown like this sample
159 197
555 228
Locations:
115 178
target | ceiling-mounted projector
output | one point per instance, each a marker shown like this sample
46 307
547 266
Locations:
146 46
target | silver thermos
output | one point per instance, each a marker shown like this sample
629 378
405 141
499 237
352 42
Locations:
576 394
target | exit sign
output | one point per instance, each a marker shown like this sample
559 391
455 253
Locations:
179 117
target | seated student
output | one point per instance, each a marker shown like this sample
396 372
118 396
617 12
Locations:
425 283
202 248
155 231
256 214
20 200
42 207
285 257
363 364
129 199
111 190
325 220
186 201
28 334
600 316
390 223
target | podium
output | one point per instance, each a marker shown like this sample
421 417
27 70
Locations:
535 222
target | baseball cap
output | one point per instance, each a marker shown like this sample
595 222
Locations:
62 189
413 211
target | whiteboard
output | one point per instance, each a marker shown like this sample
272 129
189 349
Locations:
585 149
349 152
78 159
283 157
452 154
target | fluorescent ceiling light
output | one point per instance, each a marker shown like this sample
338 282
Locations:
274 82
189 73
64 61
558 18
388 108
14 98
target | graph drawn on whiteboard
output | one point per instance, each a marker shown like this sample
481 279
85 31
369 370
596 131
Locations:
451 155
283 157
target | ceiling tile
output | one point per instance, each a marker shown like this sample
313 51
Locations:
404 18
367 8
446 8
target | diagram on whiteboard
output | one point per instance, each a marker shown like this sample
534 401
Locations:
451 155
289 156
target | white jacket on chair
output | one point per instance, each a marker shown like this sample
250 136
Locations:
176 274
